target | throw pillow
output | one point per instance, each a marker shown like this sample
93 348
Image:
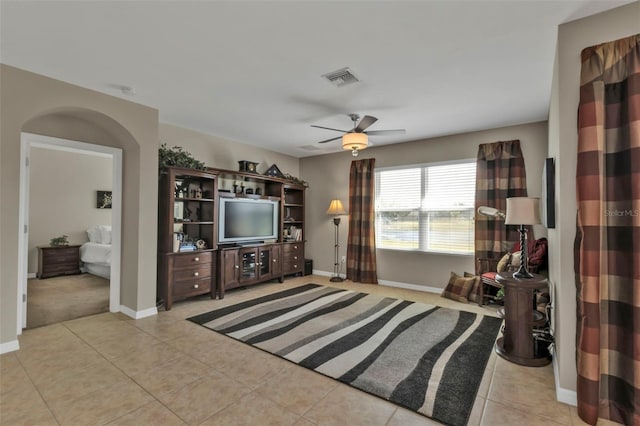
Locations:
458 288
105 234
474 294
94 234
503 264
515 260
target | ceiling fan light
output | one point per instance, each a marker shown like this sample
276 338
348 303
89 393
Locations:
354 142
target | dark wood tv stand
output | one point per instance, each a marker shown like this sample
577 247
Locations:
250 263
246 265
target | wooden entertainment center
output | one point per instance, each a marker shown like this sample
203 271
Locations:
194 260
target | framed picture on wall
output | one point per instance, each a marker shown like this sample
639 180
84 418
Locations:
103 199
548 198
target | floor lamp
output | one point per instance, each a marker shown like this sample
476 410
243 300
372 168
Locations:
336 209
523 211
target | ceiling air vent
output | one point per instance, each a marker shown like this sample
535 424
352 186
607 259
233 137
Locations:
341 77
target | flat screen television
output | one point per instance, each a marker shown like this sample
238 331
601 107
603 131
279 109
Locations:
245 220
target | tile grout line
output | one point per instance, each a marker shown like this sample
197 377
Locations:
127 375
38 390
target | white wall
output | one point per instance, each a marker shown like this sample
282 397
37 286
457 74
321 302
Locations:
62 196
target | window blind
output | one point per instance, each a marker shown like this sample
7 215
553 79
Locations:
428 207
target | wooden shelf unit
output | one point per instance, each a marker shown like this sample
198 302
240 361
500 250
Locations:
188 209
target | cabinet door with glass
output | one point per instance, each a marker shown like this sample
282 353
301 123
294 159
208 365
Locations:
249 271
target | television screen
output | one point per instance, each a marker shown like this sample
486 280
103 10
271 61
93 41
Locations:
245 220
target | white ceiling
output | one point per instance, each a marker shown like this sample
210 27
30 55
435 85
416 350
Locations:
251 71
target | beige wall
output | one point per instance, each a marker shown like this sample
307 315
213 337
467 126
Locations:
62 196
27 98
225 154
328 177
563 142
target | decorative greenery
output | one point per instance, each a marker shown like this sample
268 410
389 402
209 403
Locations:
294 179
59 241
177 157
500 294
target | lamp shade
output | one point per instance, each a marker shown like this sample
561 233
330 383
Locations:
336 208
355 141
523 211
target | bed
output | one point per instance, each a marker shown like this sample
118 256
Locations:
96 254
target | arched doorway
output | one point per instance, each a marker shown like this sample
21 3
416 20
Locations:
29 141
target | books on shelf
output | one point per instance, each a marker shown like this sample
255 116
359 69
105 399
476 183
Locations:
295 233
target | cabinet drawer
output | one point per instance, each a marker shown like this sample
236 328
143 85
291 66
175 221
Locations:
60 267
293 257
197 272
291 267
191 259
60 252
191 287
291 248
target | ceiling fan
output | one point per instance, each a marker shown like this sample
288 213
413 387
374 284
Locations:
357 138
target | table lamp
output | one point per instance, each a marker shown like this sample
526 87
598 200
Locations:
523 211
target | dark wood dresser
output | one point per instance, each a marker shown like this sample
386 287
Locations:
186 274
58 260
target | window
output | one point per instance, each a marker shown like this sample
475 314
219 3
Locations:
426 207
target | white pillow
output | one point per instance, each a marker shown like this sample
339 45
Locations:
94 234
105 234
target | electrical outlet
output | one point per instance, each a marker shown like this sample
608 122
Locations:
344 259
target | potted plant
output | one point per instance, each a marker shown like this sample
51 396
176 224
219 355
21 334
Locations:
59 241
177 157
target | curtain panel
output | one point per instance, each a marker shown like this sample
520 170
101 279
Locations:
361 242
607 259
500 174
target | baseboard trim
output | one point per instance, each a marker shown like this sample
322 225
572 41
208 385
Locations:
563 395
31 275
138 314
407 286
387 283
9 346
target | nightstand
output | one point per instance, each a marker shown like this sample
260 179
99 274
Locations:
58 260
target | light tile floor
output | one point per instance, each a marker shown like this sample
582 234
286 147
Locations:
162 370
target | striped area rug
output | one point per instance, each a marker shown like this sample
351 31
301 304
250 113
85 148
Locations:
423 357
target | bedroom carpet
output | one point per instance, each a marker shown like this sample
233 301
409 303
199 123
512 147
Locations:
63 298
424 357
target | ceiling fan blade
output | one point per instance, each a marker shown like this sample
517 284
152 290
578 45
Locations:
329 140
329 128
387 132
366 121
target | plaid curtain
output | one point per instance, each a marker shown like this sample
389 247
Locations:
500 174
361 243
608 235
